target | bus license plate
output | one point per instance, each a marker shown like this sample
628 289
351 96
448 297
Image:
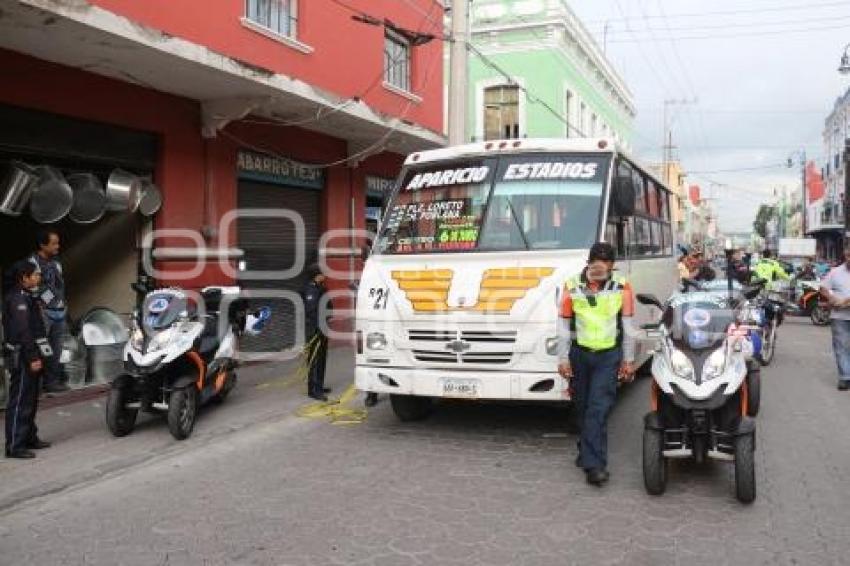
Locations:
468 388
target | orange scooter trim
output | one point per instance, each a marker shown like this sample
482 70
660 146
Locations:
202 368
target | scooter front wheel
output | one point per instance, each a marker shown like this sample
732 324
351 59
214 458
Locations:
182 410
753 385
654 462
768 348
119 419
745 468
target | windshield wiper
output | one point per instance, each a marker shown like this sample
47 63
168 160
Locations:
515 216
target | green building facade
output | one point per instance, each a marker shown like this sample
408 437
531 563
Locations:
541 75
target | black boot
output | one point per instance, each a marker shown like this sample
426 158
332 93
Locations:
597 477
21 453
38 444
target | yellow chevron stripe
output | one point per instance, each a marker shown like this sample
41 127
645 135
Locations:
428 275
519 272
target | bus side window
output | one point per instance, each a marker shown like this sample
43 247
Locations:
612 236
640 193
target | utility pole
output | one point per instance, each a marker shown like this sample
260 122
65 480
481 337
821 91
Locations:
605 38
667 141
802 155
803 190
458 71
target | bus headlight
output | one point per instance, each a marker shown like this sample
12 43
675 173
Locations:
552 346
376 341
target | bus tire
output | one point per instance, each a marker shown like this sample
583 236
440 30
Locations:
409 408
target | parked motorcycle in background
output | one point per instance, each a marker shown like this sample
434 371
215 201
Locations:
807 301
180 355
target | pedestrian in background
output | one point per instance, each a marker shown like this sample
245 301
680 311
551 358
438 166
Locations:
836 287
26 351
313 295
51 293
596 348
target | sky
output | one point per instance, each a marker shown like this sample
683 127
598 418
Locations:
757 79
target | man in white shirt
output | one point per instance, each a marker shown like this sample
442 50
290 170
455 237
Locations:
836 287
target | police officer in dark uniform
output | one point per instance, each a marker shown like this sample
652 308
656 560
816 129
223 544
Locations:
26 350
313 295
51 293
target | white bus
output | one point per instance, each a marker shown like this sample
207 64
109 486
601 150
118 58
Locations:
461 293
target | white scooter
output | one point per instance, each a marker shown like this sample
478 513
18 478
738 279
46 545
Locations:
699 390
180 355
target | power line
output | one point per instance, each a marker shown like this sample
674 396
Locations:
699 123
528 94
366 152
736 35
320 113
795 8
741 169
565 67
755 26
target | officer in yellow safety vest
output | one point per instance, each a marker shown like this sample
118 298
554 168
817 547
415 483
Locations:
596 348
769 269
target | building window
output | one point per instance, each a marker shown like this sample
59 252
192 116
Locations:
568 113
501 112
396 61
582 119
594 124
280 16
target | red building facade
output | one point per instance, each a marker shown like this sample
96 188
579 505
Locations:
228 104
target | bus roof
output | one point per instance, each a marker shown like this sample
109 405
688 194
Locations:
514 146
520 146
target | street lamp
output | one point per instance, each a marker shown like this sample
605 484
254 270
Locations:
844 67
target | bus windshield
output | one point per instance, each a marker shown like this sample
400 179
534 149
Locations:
513 203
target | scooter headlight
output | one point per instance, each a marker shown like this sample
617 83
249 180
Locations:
681 365
137 339
161 340
715 365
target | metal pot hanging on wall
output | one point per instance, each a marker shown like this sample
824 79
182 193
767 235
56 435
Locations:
89 198
16 183
52 197
151 200
123 191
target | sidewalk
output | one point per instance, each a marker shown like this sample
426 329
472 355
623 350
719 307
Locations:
83 449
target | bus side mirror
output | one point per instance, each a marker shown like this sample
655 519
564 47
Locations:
623 197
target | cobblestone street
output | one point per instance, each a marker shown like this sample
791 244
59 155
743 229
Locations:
472 485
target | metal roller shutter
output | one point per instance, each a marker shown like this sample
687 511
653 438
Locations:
270 244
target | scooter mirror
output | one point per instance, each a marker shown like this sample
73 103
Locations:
649 299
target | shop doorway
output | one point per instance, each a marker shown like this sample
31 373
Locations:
270 245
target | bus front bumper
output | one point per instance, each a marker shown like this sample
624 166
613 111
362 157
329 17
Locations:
505 385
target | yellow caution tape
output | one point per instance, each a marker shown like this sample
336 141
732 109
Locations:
335 409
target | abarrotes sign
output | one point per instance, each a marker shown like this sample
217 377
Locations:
255 166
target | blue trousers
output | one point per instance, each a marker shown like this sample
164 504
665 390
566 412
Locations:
594 390
21 407
841 347
52 367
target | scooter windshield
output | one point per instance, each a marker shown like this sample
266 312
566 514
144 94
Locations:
698 321
161 310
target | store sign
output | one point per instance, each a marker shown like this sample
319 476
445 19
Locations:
279 170
379 187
